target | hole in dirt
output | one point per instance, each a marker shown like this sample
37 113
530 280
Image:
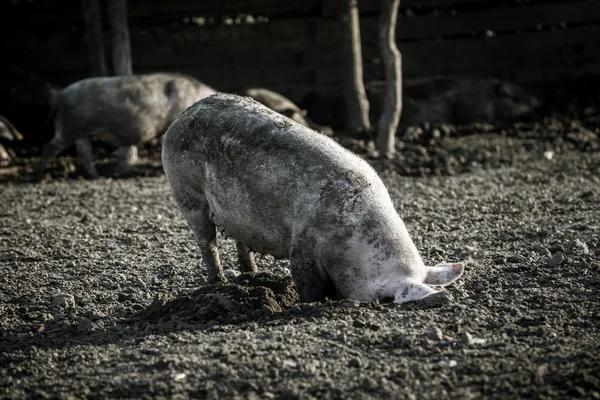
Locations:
243 298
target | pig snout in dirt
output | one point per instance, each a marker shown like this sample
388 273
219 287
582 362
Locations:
280 188
124 111
285 106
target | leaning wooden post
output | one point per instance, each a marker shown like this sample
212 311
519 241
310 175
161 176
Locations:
90 10
121 48
357 105
392 107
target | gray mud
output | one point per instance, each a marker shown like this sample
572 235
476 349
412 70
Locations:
103 294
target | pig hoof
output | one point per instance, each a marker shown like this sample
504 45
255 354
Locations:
217 279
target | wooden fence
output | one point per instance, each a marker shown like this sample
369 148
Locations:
293 46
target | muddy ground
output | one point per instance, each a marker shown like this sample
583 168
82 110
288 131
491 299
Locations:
103 294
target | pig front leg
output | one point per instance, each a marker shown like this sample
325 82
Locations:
205 233
84 154
246 258
310 283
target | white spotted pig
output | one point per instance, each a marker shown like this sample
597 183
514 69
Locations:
278 187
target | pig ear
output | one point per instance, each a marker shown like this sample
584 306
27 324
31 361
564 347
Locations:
443 274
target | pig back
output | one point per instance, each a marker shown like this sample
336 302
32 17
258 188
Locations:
265 177
132 109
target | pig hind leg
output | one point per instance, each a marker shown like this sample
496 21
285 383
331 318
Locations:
84 154
246 258
127 158
50 150
205 233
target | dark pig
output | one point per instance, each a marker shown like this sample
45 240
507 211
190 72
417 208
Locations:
280 188
458 100
26 99
124 111
285 106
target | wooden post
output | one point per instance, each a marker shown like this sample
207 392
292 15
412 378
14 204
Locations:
392 107
357 105
121 49
90 10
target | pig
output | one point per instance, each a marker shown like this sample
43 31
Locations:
8 132
26 99
124 111
458 100
285 106
280 188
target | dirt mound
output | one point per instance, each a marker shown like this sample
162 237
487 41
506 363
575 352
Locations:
244 298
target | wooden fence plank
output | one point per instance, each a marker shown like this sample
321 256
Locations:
519 48
526 15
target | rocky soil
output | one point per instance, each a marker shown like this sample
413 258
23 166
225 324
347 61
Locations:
103 292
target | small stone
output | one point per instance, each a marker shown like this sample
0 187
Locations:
85 325
64 301
139 283
436 299
581 248
436 250
499 260
516 259
555 260
179 377
289 363
46 317
435 334
124 297
541 250
231 273
359 323
468 339
557 248
349 303
354 362
447 364
94 315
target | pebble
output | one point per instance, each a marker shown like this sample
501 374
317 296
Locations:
85 325
436 299
449 364
467 338
435 334
516 259
581 247
349 303
231 273
555 260
354 362
63 301
499 260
